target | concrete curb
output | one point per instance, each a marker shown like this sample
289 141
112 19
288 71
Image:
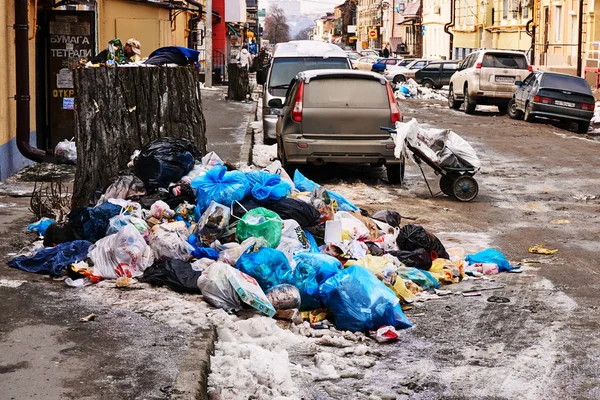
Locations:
192 380
246 151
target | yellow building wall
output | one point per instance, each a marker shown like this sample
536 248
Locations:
7 73
467 40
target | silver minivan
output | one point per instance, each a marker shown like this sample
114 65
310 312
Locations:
288 60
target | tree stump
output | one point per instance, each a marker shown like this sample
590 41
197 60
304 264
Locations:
239 82
119 110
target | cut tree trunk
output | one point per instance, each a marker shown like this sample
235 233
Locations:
119 110
239 82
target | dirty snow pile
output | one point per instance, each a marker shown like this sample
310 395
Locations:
189 241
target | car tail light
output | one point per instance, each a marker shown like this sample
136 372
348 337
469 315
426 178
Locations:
393 105
543 100
297 111
390 146
530 68
478 66
587 107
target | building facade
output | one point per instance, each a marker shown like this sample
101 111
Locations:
436 42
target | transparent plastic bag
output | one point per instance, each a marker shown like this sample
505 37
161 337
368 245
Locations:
216 288
169 241
260 222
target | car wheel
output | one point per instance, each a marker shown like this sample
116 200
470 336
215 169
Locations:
399 79
502 108
395 173
469 106
428 84
513 111
439 86
528 116
583 127
452 103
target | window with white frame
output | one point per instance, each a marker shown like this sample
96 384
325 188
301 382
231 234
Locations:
558 24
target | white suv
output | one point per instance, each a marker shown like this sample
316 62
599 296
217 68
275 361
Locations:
487 77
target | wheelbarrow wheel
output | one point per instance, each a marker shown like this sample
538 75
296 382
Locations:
446 183
465 188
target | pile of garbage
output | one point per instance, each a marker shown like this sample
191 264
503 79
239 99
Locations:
411 90
289 249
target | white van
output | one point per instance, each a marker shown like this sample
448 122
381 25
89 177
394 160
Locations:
288 60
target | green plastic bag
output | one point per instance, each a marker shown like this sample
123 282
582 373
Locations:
260 222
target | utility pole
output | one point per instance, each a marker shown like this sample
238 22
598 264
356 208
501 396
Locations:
208 46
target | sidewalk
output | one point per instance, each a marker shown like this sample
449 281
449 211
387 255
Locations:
48 353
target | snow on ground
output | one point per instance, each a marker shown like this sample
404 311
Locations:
11 283
262 155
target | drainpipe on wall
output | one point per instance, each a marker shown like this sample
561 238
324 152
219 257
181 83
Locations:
580 39
531 32
448 26
22 96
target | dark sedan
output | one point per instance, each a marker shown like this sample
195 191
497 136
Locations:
558 96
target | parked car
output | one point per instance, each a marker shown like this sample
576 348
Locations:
548 94
402 73
364 63
436 74
487 77
353 55
371 52
383 63
288 59
334 116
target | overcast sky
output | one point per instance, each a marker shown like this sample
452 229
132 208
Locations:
310 6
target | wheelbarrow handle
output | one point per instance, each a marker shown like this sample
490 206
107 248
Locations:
389 130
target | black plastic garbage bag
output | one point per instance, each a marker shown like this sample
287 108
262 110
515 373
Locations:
177 275
242 207
54 259
59 233
164 161
391 218
413 237
289 208
419 258
184 193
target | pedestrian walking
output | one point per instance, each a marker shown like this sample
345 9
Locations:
244 58
386 50
253 47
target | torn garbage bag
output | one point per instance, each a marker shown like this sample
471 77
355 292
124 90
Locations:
360 302
392 218
304 184
164 161
54 259
177 275
490 256
289 208
217 289
268 266
413 237
212 223
260 222
221 186
267 186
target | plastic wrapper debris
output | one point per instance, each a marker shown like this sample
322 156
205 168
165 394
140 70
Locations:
41 226
421 278
177 275
391 218
347 249
268 266
360 302
446 271
304 184
54 259
221 186
212 223
250 292
369 223
65 152
267 186
284 297
418 258
320 200
388 242
169 242
325 266
293 240
217 289
260 222
232 255
491 256
186 211
385 334
128 187
119 221
164 161
413 237
160 210
352 226
289 208
122 254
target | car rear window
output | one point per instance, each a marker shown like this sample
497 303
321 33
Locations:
450 66
513 61
285 69
345 93
564 82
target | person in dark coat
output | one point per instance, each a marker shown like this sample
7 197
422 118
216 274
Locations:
386 50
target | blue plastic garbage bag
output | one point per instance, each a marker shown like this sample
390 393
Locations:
96 220
221 186
325 265
304 184
491 256
200 251
41 226
360 302
420 277
53 260
268 266
267 186
305 279
405 90
314 247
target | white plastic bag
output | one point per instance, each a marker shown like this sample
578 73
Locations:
216 288
66 152
122 254
416 139
356 229
276 168
462 149
169 241
232 254
293 240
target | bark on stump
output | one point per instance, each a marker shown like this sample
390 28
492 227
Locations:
120 110
239 82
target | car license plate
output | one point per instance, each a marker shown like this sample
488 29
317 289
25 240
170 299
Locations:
564 103
276 111
505 79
